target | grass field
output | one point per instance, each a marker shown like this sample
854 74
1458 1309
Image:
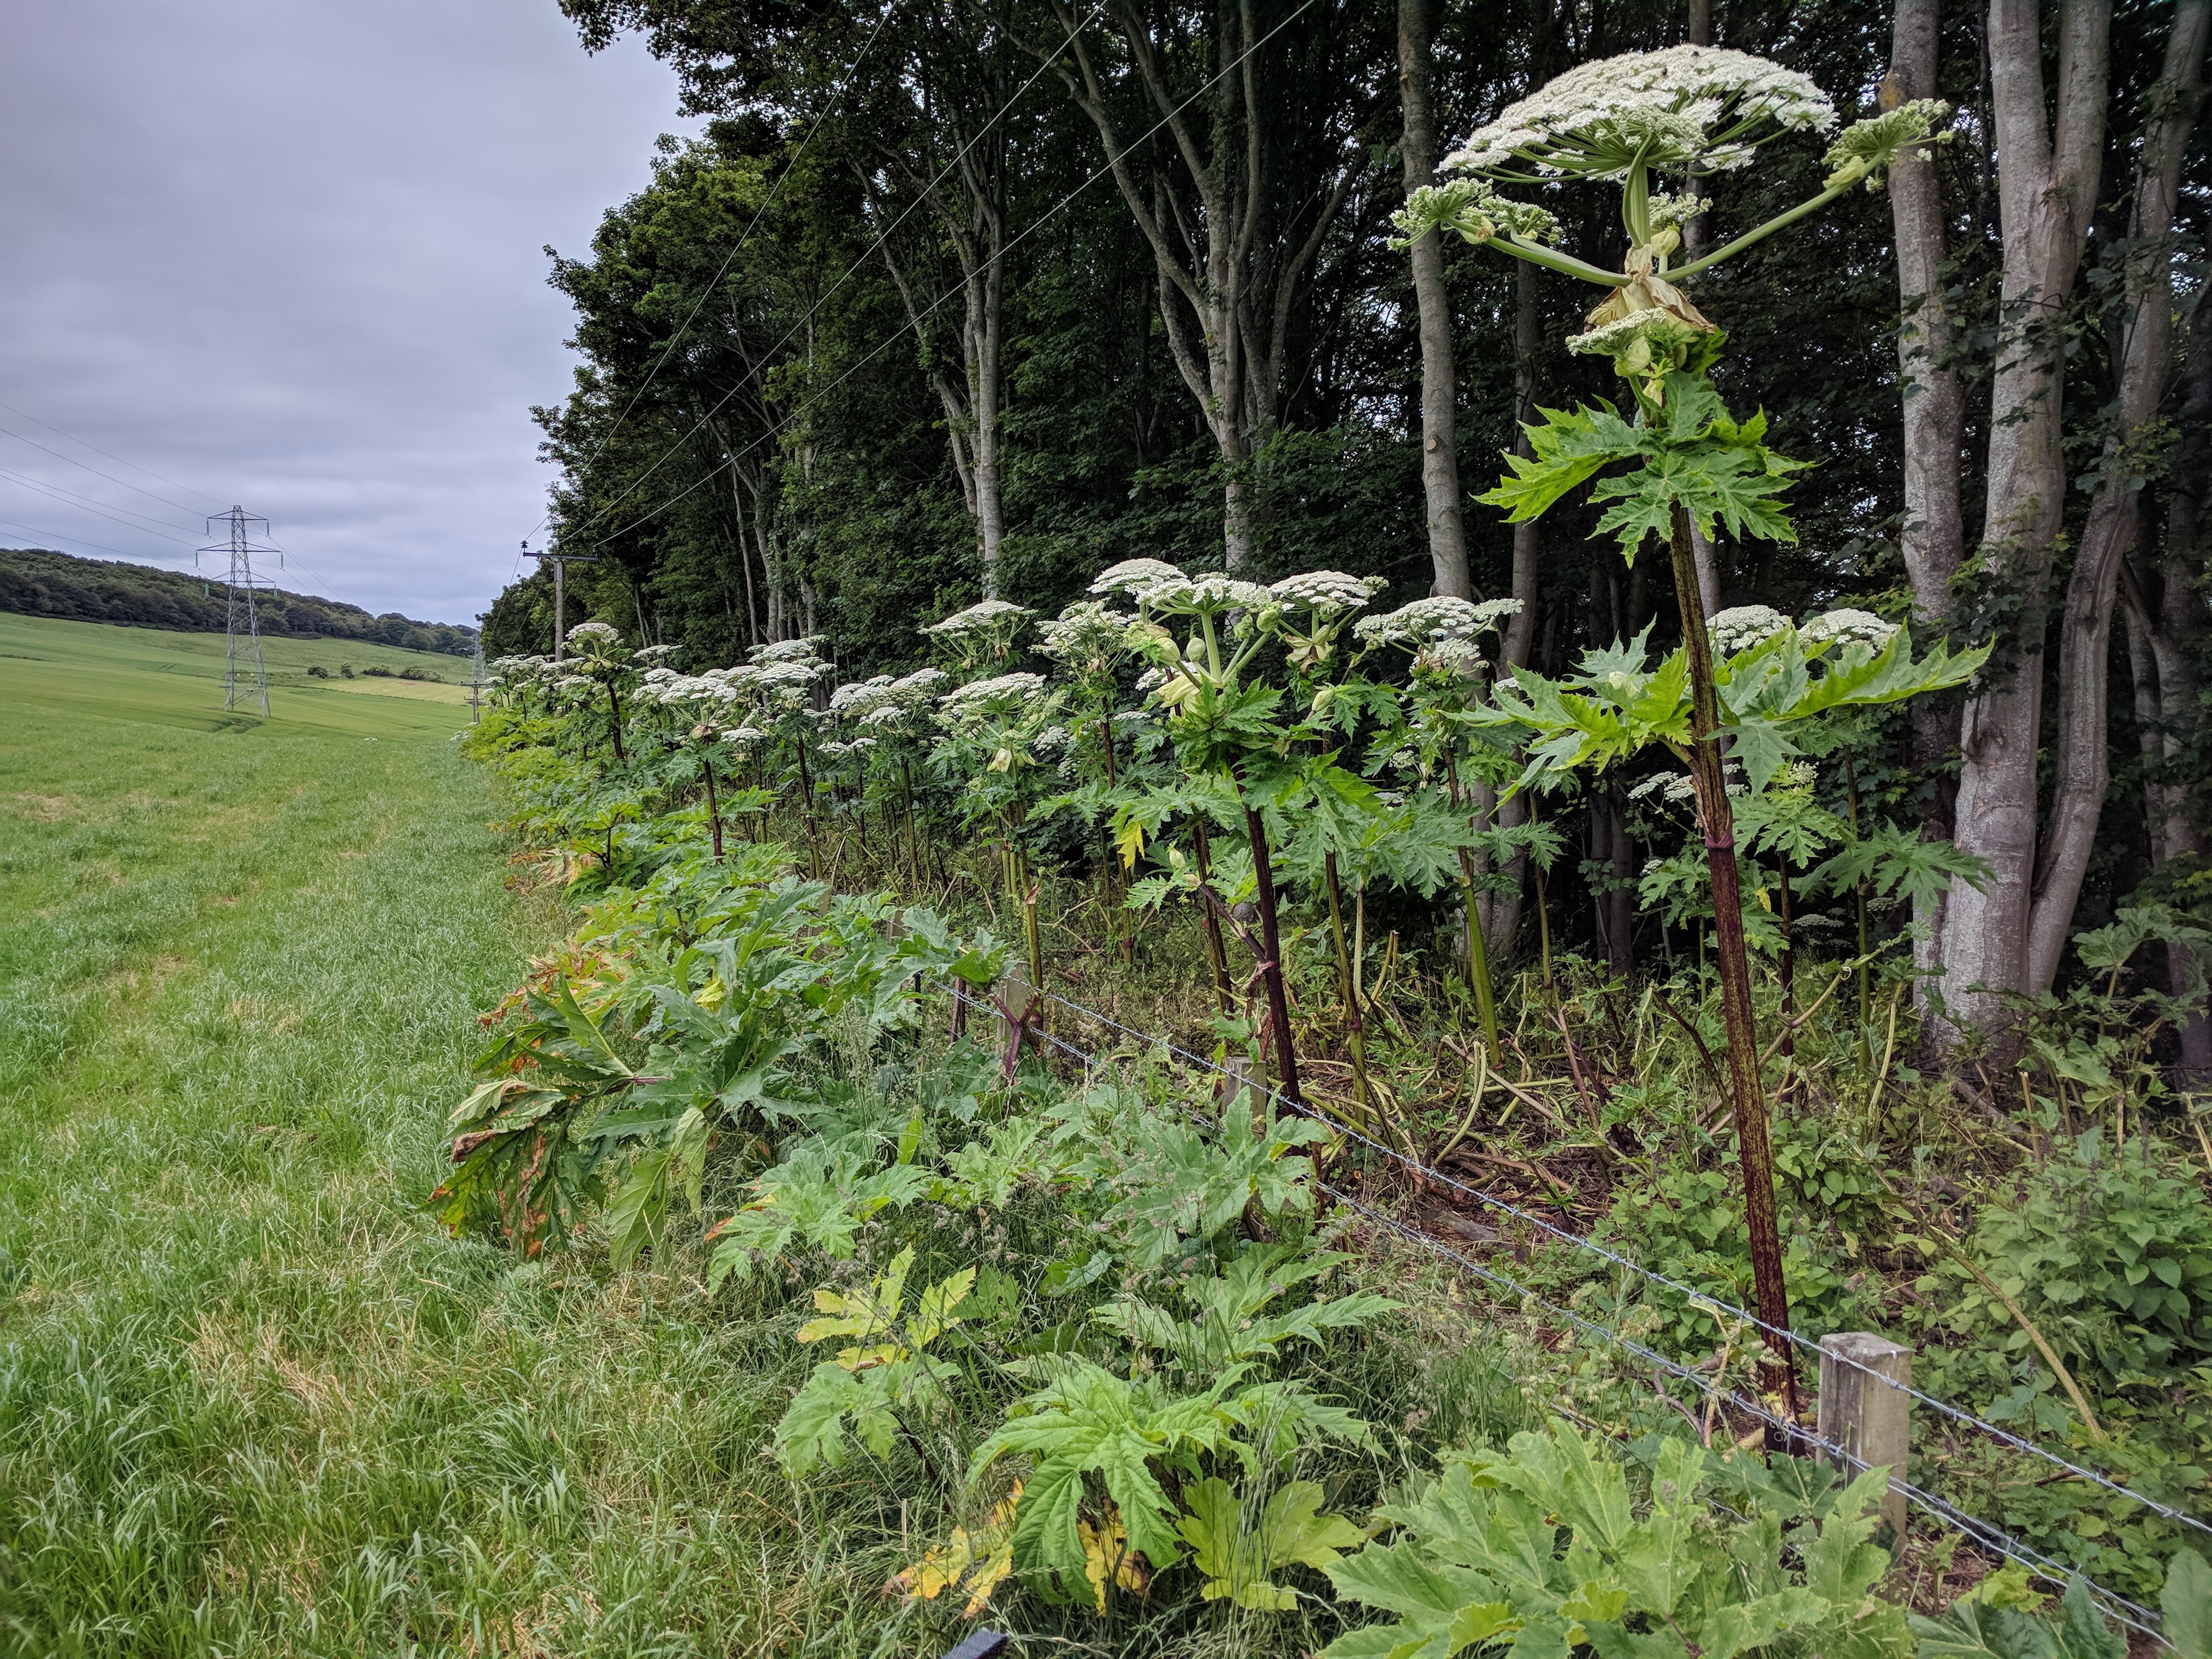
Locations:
252 1402
72 669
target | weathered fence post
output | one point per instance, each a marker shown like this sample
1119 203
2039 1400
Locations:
1863 1408
1017 999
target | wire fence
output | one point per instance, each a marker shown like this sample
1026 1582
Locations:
1983 1533
1581 1242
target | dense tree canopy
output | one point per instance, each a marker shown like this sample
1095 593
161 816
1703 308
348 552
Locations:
966 296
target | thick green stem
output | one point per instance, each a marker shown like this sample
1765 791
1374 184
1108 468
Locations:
1217 953
1355 1033
1761 1220
713 807
1279 1005
1478 957
1759 234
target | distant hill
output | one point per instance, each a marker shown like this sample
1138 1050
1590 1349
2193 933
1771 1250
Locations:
36 583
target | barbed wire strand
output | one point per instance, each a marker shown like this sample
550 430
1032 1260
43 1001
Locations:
1984 1533
1582 1242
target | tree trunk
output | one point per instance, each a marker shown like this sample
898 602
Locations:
1439 452
2046 187
1231 263
1933 537
2115 522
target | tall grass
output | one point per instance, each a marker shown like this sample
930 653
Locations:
251 1400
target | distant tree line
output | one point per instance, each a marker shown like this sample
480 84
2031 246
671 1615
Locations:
37 583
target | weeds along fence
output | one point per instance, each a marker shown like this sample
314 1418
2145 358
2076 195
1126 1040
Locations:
1983 1534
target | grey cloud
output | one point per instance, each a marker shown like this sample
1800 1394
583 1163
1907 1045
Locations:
290 255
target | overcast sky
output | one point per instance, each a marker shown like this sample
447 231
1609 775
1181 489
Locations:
287 253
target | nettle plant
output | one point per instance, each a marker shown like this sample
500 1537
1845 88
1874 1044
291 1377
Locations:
1675 459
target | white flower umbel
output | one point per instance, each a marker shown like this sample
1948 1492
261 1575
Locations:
857 698
968 706
922 683
1847 627
1684 106
1200 596
592 631
744 734
787 650
1427 622
990 613
1131 575
1328 590
653 652
1741 627
1087 635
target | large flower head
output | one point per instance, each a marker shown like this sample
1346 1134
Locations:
1741 627
1132 575
1200 596
1847 627
1437 620
985 617
1328 591
1672 110
1090 637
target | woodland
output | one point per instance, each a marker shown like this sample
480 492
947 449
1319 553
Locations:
1160 710
37 583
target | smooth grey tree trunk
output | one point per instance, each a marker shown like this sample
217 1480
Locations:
2115 523
1229 278
1439 450
1933 537
2047 178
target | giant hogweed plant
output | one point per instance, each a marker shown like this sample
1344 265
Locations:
1675 459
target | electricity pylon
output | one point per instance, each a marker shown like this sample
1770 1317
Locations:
243 627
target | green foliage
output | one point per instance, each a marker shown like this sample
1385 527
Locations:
1974 1629
1238 1559
2111 1257
887 1372
1542 1551
1693 455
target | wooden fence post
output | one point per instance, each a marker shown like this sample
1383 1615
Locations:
1864 1410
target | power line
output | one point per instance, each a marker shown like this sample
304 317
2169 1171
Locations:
97 450
55 535
753 375
767 202
929 310
72 460
85 503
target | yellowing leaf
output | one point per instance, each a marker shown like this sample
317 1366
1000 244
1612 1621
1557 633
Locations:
983 1560
1106 1556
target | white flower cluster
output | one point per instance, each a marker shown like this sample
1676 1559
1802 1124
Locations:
1152 680
788 650
653 652
840 750
1596 120
575 682
744 734
1847 627
1662 332
1675 786
856 698
966 705
785 676
922 683
1200 596
1430 621
1131 575
1328 590
1087 631
592 631
1742 626
1051 740
679 689
990 613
